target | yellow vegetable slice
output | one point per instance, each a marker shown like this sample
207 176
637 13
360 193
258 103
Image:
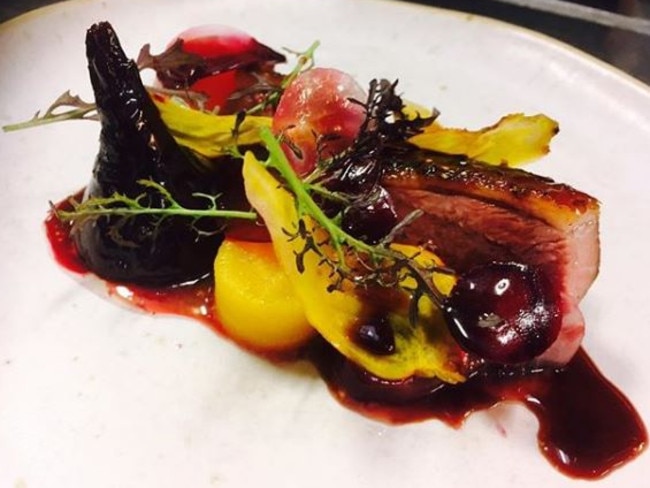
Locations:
208 134
255 302
514 140
422 349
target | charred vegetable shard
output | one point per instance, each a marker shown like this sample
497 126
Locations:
136 145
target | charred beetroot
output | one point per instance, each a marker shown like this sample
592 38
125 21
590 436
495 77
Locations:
136 145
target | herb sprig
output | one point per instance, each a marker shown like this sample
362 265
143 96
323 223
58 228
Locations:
120 205
74 108
381 137
305 61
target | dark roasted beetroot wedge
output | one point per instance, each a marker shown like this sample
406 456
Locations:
134 145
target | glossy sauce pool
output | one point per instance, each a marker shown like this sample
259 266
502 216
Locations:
587 427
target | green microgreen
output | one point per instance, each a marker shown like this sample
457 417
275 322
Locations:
120 205
65 107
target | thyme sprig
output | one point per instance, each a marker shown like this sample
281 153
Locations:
120 205
73 107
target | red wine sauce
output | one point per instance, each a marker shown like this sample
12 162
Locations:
587 427
58 233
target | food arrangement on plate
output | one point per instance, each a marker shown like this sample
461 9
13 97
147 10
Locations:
422 272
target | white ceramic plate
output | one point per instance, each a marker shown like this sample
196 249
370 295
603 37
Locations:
96 395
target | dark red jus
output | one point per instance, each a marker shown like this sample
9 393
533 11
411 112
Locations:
503 312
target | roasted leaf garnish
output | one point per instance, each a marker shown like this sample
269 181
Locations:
387 117
389 123
173 58
514 140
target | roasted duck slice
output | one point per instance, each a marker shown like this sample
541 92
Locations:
475 214
136 145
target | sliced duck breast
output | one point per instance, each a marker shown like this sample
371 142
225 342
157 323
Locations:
475 213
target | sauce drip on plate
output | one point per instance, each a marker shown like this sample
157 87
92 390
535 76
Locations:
586 425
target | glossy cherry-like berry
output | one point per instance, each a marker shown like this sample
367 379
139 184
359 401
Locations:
503 312
371 217
356 179
359 176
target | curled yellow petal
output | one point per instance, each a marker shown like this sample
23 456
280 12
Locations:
209 134
514 140
422 349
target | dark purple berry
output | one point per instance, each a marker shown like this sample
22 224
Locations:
359 176
371 217
503 312
356 177
376 337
